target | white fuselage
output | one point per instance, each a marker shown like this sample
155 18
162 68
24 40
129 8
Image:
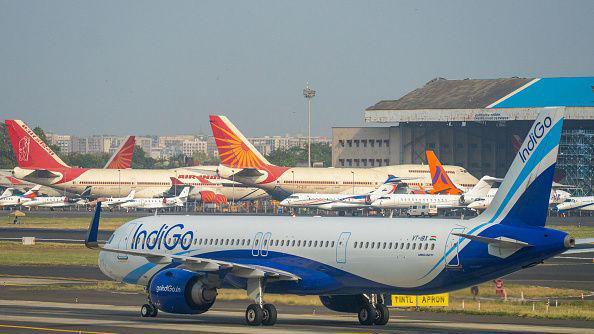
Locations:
395 252
147 182
557 196
49 202
151 203
325 201
13 200
347 181
404 201
585 203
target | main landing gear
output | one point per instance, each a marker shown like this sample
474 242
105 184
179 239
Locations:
374 312
259 313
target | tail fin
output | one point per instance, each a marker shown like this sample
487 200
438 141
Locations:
131 194
388 187
523 197
439 178
33 192
184 193
122 158
30 151
235 150
480 189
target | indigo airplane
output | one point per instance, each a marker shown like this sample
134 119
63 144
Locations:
351 263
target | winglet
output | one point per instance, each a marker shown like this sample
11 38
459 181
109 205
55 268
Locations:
91 240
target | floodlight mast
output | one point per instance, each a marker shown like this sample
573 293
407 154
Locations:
308 93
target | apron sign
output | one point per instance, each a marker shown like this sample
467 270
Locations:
441 299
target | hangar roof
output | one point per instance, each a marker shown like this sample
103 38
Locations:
454 94
488 100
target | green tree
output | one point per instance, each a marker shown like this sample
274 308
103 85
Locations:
7 158
141 160
295 156
87 160
201 158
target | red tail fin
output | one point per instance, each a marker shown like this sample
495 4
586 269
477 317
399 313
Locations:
122 158
30 151
439 178
235 150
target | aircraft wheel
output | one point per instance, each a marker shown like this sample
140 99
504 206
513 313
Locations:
147 310
254 315
367 315
383 315
269 315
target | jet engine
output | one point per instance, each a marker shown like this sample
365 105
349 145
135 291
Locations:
181 291
344 303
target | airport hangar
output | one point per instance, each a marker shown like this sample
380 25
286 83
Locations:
474 123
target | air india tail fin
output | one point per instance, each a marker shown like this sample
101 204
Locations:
235 150
30 151
122 158
523 197
439 178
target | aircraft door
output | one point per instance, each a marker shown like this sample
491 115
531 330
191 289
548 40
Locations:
452 247
341 247
265 244
125 241
256 244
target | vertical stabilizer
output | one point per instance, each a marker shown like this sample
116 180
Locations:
235 150
30 151
122 158
523 197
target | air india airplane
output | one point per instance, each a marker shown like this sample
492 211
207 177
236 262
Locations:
240 161
37 163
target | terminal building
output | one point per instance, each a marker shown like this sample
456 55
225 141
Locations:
475 123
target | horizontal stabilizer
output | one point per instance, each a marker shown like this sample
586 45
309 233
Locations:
42 174
247 172
501 242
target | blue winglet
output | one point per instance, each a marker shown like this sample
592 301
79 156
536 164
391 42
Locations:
91 240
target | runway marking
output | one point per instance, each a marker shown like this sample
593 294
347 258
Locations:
47 329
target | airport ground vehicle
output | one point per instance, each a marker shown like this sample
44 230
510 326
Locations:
422 210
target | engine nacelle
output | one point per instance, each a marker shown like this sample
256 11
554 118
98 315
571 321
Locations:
344 303
181 291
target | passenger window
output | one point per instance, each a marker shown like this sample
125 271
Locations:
372 245
309 243
426 245
432 246
414 246
226 242
390 245
332 244
327 243
316 243
355 244
265 242
249 241
282 242
378 245
420 246
367 244
408 245
384 246
232 242
293 243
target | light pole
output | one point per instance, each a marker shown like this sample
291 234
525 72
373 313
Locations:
309 94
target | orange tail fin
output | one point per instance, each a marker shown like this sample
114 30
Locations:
30 151
439 178
122 158
235 150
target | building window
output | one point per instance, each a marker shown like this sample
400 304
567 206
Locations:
371 162
341 162
371 142
341 143
350 143
364 142
379 143
356 142
386 162
387 143
350 162
364 161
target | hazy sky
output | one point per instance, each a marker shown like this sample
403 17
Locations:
143 67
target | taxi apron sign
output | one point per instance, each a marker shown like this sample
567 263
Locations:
441 299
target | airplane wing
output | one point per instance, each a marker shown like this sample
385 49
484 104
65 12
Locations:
204 264
188 262
42 174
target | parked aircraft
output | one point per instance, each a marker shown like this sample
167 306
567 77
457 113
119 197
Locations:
158 203
112 202
557 196
339 201
584 203
440 181
403 201
240 161
51 202
351 264
16 200
39 164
